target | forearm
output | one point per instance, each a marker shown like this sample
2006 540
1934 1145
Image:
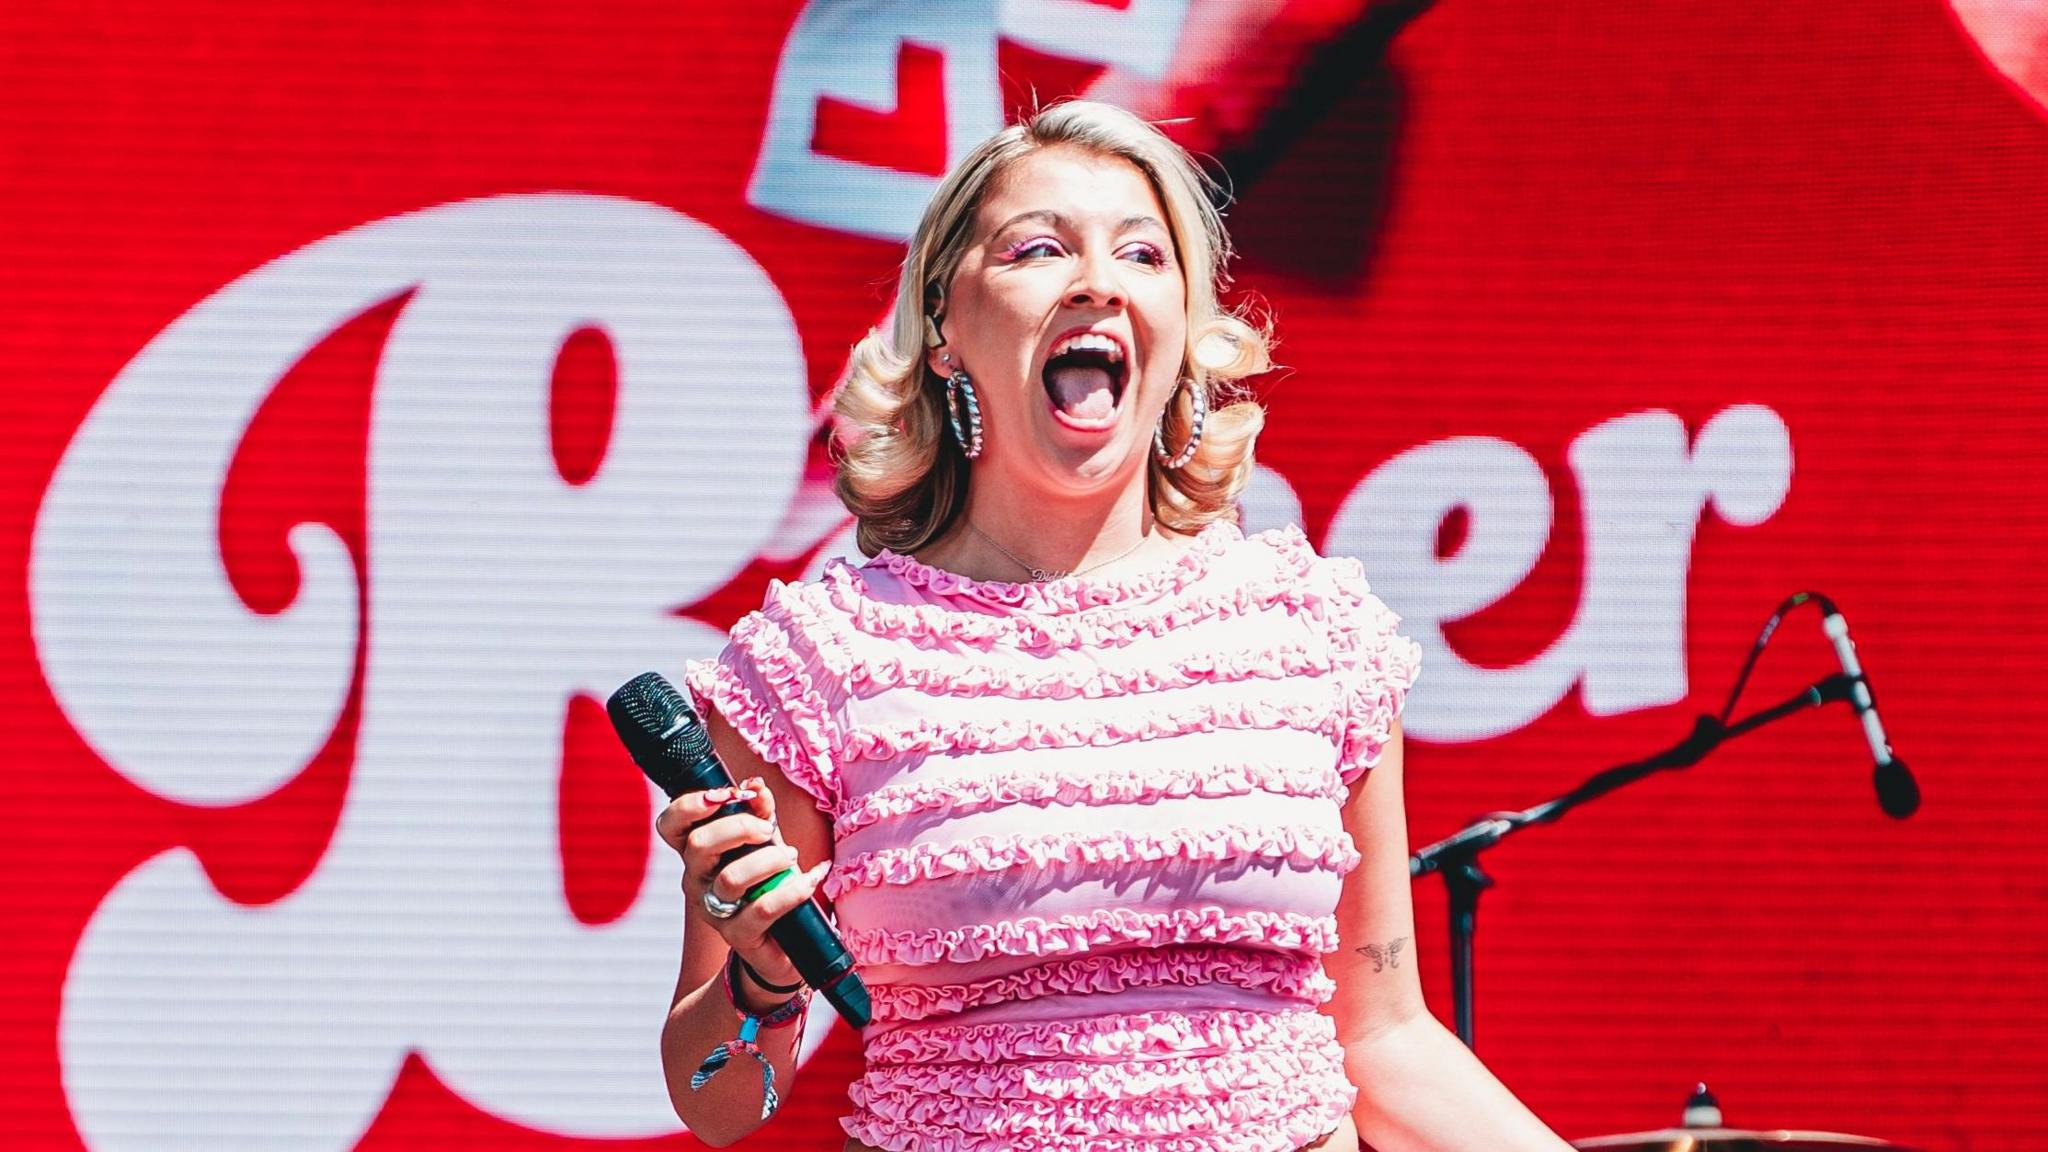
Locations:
728 1107
1421 1090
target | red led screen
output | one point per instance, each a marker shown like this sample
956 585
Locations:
387 382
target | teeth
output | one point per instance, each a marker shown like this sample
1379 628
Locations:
1090 342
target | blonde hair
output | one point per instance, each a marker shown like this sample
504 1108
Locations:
905 479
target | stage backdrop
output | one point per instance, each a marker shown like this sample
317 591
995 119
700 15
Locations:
386 382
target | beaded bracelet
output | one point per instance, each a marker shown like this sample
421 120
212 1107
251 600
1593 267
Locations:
788 1012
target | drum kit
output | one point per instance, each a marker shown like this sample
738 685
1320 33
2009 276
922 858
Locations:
1700 1130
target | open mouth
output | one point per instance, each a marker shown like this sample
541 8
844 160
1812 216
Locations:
1084 377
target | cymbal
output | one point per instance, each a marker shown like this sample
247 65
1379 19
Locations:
1730 1140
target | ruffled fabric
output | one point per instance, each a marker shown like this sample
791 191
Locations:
922 672
1319 1116
764 689
1285 1117
1188 1075
1110 625
1075 593
1104 928
1123 1036
1375 666
1191 1082
1289 976
1143 781
852 684
1002 733
1299 848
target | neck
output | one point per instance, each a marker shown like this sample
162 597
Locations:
1048 534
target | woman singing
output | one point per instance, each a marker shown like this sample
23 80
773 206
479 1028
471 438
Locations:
1105 795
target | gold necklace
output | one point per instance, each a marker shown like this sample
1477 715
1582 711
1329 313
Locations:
1041 575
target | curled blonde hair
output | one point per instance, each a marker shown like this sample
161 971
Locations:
905 479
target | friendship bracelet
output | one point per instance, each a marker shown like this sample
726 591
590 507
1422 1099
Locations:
788 1012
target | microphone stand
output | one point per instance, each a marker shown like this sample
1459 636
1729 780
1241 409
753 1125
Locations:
1456 857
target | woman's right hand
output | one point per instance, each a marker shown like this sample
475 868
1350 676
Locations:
701 846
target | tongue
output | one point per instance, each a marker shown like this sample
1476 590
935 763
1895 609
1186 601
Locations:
1081 391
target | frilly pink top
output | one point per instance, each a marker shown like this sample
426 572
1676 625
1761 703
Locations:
1087 835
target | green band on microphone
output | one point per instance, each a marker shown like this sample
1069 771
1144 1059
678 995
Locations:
768 885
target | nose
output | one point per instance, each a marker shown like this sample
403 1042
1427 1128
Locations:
1095 284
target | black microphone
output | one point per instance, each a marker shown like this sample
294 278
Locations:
667 739
1897 792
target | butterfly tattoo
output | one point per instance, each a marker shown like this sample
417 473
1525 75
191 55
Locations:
1384 958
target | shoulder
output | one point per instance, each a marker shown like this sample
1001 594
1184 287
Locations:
777 687
814 616
1377 665
1344 597
1333 589
1363 631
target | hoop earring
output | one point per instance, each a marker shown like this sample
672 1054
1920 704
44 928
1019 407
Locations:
1198 400
959 393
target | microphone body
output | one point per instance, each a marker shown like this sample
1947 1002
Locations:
667 739
1897 792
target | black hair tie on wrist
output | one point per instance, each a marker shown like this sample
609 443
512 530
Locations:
763 985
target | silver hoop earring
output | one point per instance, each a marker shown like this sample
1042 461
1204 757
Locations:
959 394
1198 400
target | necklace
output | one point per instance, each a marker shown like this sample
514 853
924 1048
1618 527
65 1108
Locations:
1041 575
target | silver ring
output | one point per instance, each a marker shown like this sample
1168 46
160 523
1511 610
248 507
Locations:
721 909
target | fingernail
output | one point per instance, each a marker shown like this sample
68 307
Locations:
823 867
717 795
745 794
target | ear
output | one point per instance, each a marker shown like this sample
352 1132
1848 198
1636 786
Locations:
934 330
938 356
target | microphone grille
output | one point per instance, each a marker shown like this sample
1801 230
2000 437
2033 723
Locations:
656 723
1898 794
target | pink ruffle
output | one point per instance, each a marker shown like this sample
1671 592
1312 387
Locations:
1142 781
1375 664
794 729
1186 1082
1140 1122
1285 1133
1281 1133
1118 1036
927 735
1298 847
1083 932
1073 593
1185 1076
1283 974
978 677
1111 625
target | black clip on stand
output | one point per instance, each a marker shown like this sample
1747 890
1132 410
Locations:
1456 857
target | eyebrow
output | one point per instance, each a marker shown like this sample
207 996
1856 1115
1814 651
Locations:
1048 216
